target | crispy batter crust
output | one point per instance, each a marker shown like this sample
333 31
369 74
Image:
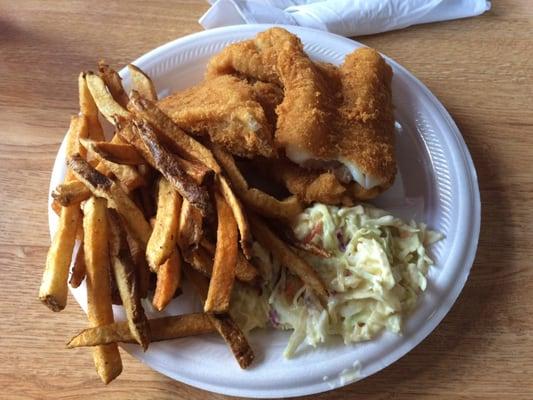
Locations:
225 108
327 113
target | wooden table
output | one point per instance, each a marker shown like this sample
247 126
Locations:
480 68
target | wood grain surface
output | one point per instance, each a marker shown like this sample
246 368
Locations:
480 68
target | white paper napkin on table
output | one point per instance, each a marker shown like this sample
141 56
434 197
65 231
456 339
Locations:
343 17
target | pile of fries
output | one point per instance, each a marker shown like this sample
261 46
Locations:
151 207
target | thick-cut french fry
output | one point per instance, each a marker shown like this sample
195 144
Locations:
113 81
184 144
190 230
223 323
106 357
221 283
162 242
120 153
259 201
125 131
196 170
78 269
244 270
125 273
102 186
89 110
240 216
288 258
71 193
166 328
142 83
166 163
126 174
78 130
168 280
104 100
54 288
139 258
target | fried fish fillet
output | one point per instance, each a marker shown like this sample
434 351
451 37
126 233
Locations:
330 119
227 109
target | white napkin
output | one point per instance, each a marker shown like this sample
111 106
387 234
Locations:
343 17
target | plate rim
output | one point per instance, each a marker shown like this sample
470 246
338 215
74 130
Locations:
469 174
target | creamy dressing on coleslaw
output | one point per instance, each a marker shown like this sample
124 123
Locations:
376 270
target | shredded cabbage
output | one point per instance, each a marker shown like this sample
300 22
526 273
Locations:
377 269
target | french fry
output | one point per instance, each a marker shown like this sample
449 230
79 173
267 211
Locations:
70 193
221 283
78 130
259 201
288 258
143 271
142 83
106 357
78 269
240 216
125 273
102 186
89 110
126 174
223 323
54 288
113 81
244 270
119 153
190 228
196 170
73 192
54 284
104 100
165 328
184 144
168 280
166 163
162 242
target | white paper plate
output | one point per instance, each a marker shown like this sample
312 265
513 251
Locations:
436 184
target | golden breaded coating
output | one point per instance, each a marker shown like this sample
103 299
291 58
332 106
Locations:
328 115
269 96
277 56
226 109
365 122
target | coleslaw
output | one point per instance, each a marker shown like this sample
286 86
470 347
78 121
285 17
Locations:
376 270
